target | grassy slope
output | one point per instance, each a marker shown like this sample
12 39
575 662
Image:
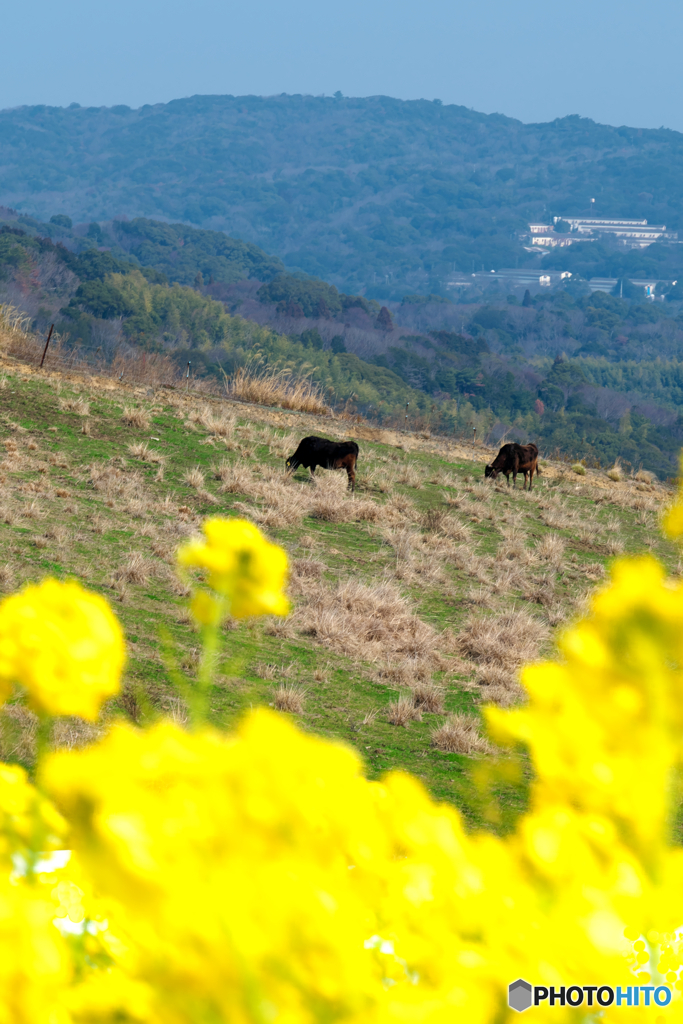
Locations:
456 550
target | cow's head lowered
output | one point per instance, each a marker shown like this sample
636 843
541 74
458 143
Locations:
489 471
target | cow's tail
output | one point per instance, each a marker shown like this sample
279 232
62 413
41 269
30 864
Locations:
538 469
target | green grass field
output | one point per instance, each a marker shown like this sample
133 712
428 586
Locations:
414 601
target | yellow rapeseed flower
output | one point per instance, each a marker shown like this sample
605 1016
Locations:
259 877
673 519
243 567
35 967
27 818
64 645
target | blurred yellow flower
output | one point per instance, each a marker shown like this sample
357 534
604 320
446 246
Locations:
35 967
64 645
243 567
260 877
27 818
205 608
673 519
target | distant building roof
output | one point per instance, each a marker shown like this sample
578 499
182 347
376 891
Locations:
599 222
635 234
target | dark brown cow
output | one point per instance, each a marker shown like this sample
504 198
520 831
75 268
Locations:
515 458
318 451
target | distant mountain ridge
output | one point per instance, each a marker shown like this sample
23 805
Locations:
376 195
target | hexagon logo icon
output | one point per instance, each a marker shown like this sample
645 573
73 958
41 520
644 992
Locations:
519 995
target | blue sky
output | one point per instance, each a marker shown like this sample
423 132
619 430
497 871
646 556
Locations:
616 61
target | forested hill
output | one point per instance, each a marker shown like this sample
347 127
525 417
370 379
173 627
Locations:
376 195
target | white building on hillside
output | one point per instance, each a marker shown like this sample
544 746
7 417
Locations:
635 234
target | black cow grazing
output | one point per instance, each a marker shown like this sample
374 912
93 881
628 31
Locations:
515 458
317 451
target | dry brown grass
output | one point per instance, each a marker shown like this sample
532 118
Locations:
10 515
499 686
177 710
439 521
460 734
134 570
114 482
13 322
268 386
141 450
235 478
194 477
366 622
282 505
402 539
134 417
7 578
290 698
18 730
551 548
307 569
427 696
283 447
331 502
220 424
78 405
59 533
403 712
513 548
73 733
508 638
409 475
284 502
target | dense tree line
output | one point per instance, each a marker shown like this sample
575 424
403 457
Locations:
590 374
376 195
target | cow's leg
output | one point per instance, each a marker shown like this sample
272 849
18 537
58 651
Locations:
531 477
312 468
351 473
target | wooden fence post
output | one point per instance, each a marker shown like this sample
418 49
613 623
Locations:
46 344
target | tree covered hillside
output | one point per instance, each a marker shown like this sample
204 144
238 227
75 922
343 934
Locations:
586 374
371 194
